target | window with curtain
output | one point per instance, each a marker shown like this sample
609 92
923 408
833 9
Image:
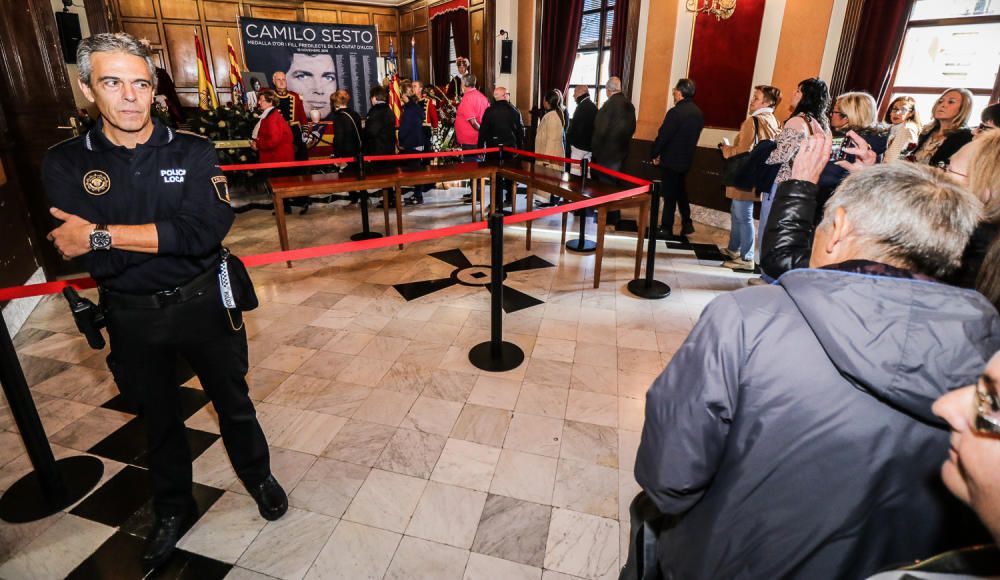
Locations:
949 44
593 53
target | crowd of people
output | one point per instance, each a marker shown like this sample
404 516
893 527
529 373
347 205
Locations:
880 255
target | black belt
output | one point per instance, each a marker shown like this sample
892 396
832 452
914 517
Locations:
193 289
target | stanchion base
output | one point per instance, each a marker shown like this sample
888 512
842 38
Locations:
365 236
654 291
25 502
511 357
582 246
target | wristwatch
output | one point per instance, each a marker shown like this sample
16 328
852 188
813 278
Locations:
100 238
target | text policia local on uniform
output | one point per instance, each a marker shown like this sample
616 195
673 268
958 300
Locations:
308 34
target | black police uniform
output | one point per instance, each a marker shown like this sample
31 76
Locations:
160 306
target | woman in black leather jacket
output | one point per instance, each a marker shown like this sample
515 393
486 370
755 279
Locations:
788 233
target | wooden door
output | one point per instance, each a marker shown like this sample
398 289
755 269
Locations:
35 101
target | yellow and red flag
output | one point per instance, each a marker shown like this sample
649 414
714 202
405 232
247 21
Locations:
206 92
395 101
235 78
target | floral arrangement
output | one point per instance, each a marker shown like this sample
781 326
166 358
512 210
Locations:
228 123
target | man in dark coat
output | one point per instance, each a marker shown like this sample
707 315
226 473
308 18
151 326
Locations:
347 140
502 125
346 126
674 151
580 134
791 435
614 126
380 125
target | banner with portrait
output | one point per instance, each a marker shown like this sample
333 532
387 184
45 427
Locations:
317 59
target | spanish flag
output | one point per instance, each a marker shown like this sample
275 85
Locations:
235 78
206 92
395 101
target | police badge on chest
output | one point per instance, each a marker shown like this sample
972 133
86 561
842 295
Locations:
173 175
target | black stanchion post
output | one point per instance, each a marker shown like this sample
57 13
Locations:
53 485
496 355
648 287
582 244
365 233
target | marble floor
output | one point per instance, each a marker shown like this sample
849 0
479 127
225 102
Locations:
401 459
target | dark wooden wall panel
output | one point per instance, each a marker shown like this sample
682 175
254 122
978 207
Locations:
148 30
136 9
357 18
274 13
218 53
477 43
179 9
322 16
221 11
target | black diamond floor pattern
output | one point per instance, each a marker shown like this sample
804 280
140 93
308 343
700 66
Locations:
120 558
513 299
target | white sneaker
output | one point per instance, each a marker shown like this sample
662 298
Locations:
730 254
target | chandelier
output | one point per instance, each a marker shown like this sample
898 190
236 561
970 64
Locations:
721 9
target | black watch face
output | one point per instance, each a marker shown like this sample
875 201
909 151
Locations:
100 240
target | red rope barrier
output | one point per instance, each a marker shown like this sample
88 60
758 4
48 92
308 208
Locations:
541 156
576 205
45 288
283 164
623 176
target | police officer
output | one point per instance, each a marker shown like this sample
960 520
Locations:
145 209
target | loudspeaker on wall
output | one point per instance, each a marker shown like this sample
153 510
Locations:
506 56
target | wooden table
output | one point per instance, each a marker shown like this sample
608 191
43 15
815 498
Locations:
553 181
535 177
384 178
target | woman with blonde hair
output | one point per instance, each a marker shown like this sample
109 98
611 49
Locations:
904 131
857 112
948 132
977 166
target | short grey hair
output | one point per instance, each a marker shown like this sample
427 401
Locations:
111 42
912 213
614 85
469 80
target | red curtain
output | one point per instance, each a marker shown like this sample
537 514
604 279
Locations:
457 19
618 40
879 38
561 22
724 78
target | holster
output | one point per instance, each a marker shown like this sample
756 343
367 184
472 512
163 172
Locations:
89 317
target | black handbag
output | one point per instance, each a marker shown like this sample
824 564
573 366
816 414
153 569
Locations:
736 164
241 295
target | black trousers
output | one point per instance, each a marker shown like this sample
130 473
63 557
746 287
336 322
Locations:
674 196
145 344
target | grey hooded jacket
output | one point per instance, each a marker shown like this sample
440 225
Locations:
793 434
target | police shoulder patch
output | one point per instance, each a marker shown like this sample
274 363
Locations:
221 186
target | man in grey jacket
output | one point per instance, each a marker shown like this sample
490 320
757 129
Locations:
792 434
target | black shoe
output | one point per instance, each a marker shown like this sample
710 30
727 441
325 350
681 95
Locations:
687 228
271 499
163 538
